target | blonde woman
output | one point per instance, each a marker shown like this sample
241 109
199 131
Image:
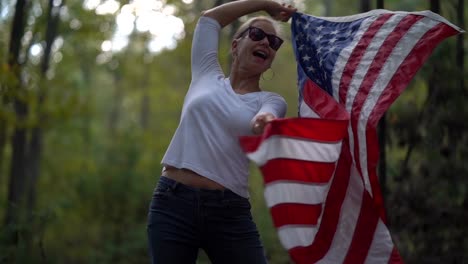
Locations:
201 201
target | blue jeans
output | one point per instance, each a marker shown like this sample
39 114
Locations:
183 219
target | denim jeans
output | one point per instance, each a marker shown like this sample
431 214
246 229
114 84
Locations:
182 219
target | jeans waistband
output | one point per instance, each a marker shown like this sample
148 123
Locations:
178 187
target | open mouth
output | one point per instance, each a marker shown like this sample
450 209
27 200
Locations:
260 54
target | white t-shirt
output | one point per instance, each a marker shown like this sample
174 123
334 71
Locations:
214 116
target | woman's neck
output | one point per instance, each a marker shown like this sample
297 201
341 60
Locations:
243 83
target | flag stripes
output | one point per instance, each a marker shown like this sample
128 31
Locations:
320 170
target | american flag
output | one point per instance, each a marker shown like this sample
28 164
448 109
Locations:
320 169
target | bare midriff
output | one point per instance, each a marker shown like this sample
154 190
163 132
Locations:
190 178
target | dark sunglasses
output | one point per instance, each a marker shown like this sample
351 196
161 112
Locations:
257 34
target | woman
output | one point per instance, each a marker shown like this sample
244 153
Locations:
201 200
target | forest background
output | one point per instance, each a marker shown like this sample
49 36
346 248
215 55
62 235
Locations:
91 92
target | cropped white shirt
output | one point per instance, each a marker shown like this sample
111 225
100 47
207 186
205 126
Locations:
214 116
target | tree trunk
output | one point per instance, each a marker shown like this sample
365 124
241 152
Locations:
145 99
328 7
114 115
380 4
35 149
460 50
435 6
16 187
365 5
427 108
382 128
460 59
3 141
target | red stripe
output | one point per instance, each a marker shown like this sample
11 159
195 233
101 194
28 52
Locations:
331 213
395 257
250 143
304 128
295 214
371 75
322 103
357 54
297 170
372 163
364 232
410 66
309 128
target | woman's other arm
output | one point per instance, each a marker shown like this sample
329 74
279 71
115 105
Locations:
227 13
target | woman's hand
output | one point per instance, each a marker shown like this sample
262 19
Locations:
260 121
280 12
228 12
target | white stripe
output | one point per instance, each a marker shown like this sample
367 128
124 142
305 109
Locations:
368 58
290 148
349 215
306 111
396 58
381 247
361 72
344 56
293 192
377 12
362 67
296 236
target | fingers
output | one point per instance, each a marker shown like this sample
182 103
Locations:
288 11
258 128
261 121
281 12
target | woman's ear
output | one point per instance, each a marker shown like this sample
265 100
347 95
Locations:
234 45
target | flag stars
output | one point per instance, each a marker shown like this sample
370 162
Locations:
306 26
318 38
301 47
306 58
319 28
311 69
333 40
335 32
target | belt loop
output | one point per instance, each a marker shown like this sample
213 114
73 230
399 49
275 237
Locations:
174 186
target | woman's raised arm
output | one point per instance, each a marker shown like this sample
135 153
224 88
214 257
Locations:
227 13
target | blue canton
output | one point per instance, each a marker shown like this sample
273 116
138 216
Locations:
317 44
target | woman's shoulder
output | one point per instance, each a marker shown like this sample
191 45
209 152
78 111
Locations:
271 95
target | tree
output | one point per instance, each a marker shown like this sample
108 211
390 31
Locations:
36 141
18 174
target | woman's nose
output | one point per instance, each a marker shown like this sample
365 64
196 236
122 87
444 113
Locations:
265 41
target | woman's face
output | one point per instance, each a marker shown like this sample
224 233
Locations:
254 56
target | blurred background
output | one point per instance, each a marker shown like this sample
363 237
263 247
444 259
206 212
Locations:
91 92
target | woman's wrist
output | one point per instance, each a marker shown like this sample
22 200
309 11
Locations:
228 12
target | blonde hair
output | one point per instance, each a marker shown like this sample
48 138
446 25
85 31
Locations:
252 20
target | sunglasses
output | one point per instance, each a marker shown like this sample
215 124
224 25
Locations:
257 34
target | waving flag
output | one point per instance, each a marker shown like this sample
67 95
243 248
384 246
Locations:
320 169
